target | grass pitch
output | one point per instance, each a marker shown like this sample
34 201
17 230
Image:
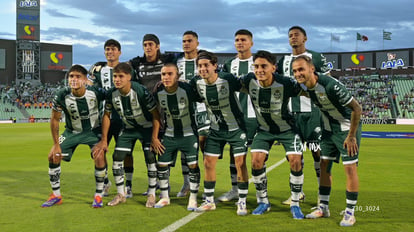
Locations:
384 204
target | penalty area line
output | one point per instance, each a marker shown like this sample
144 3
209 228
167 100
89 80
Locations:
176 225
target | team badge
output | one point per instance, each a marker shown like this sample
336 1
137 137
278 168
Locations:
223 90
277 94
134 102
182 101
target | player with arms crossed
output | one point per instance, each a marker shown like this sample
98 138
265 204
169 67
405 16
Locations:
138 111
177 101
270 94
81 106
341 134
218 91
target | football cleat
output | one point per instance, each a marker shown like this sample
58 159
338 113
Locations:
150 201
162 202
319 212
106 188
119 198
184 190
348 219
261 209
241 208
192 204
228 196
289 200
53 200
206 206
97 202
296 212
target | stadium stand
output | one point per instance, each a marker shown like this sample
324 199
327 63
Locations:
381 97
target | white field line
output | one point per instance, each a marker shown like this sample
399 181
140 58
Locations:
176 225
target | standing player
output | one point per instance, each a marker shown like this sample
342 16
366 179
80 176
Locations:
137 109
188 69
341 134
307 115
270 94
238 66
227 126
81 106
177 100
148 70
102 77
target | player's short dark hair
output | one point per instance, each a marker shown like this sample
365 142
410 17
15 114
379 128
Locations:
298 28
123 68
112 42
78 68
265 55
243 32
207 55
193 33
172 65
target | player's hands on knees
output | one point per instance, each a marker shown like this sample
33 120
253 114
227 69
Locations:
157 147
99 150
351 145
55 154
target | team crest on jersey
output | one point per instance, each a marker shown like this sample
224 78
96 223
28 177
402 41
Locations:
134 102
223 90
277 94
182 101
92 103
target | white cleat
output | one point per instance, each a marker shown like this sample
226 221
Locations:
228 196
162 202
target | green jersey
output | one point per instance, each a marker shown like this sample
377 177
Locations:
270 103
178 108
238 68
331 96
134 108
284 67
187 68
81 113
222 104
102 75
